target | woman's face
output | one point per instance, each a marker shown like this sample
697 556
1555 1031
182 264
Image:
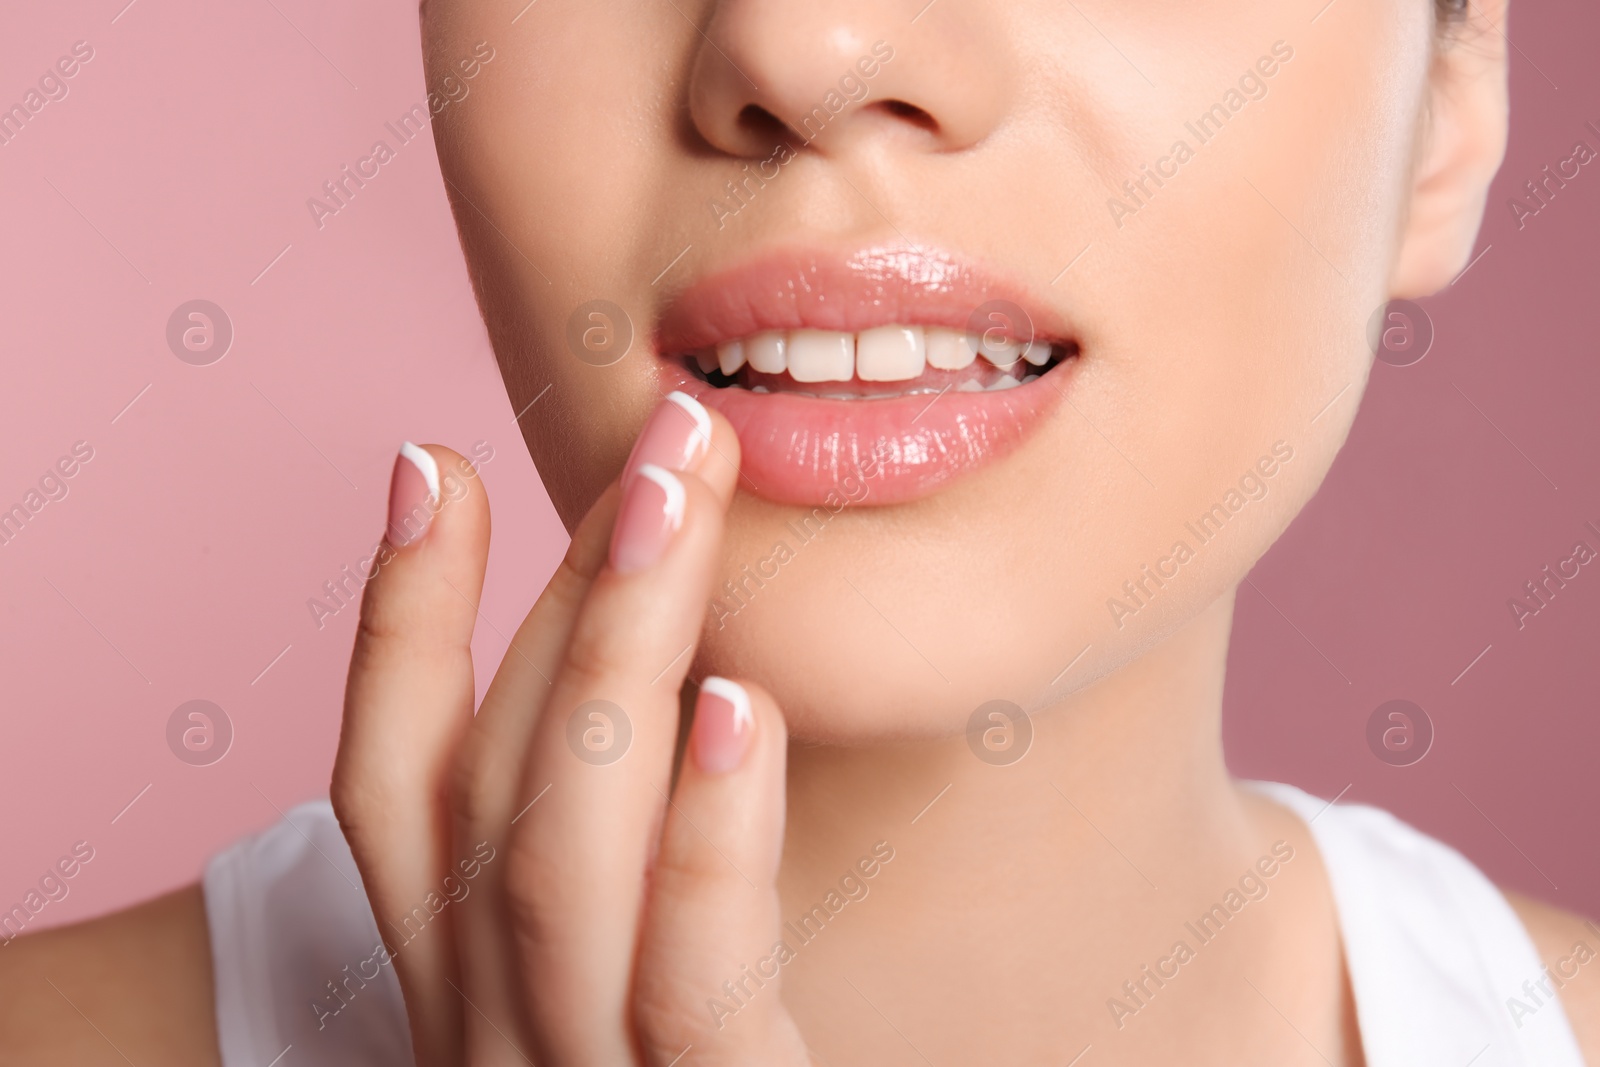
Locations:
1198 206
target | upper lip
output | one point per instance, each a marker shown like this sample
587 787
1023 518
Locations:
847 291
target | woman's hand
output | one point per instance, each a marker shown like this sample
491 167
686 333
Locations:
543 898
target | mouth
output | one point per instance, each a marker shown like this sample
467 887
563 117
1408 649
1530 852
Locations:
884 361
875 377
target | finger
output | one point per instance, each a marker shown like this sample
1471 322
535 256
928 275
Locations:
407 698
709 955
603 749
679 435
486 777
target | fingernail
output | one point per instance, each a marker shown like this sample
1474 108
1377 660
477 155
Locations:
652 511
677 435
722 725
413 495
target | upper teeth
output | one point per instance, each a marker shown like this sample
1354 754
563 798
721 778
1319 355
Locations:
882 354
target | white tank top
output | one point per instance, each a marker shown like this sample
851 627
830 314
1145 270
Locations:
1435 953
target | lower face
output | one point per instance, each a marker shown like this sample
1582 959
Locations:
1025 375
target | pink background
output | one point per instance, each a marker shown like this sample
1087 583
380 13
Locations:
179 564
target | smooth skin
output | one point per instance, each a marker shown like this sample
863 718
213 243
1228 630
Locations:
1020 898
623 908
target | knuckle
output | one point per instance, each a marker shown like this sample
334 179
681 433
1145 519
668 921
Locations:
597 651
537 891
570 579
478 779
685 865
418 613
566 590
356 804
376 627
582 560
667 1019
379 617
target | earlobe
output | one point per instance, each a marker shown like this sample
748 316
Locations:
1461 142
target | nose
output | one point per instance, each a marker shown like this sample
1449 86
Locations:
829 74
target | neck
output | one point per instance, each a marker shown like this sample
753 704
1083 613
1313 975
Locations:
1071 872
1135 759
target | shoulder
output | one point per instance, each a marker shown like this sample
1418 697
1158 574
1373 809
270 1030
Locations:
131 986
1415 911
1570 947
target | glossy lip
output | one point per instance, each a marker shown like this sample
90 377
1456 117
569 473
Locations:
807 288
816 451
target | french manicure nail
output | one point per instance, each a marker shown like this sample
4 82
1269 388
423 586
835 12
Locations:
723 724
413 495
652 511
677 435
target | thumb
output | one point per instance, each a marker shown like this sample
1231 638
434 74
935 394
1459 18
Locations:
408 697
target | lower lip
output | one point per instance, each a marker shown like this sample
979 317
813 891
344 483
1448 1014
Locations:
815 451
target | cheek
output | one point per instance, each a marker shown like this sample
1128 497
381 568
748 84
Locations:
562 138
578 446
557 216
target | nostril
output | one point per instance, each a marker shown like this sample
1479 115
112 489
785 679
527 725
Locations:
911 113
761 124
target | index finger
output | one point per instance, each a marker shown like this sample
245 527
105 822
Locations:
601 758
408 696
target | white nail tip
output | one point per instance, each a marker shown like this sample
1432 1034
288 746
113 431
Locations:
677 499
421 459
696 411
733 693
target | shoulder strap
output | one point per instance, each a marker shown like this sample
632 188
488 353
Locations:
1437 957
296 956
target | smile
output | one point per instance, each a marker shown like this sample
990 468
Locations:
885 361
902 369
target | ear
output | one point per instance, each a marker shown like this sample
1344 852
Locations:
1462 139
